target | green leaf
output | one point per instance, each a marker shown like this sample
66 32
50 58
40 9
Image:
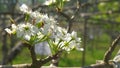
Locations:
27 16
52 46
39 24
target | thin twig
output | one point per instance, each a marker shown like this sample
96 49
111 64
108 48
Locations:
109 52
70 19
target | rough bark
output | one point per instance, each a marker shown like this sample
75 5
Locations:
103 65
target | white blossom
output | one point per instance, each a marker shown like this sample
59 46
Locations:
67 41
40 35
27 37
24 8
60 32
26 30
46 24
35 14
48 2
49 25
12 30
8 31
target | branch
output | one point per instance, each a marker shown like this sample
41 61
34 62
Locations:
32 52
16 66
70 19
102 65
49 58
41 62
108 53
28 65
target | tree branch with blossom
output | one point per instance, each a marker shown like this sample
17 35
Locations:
38 28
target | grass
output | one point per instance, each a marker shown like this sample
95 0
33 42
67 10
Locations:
95 50
23 57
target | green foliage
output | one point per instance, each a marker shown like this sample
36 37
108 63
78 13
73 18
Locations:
107 15
117 19
59 3
104 6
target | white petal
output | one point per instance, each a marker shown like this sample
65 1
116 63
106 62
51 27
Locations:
14 26
27 37
8 30
24 8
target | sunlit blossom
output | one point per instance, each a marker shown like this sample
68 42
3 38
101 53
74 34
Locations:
12 30
48 2
24 8
8 31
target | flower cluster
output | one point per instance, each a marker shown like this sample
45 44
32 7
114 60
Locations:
44 28
49 2
66 41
